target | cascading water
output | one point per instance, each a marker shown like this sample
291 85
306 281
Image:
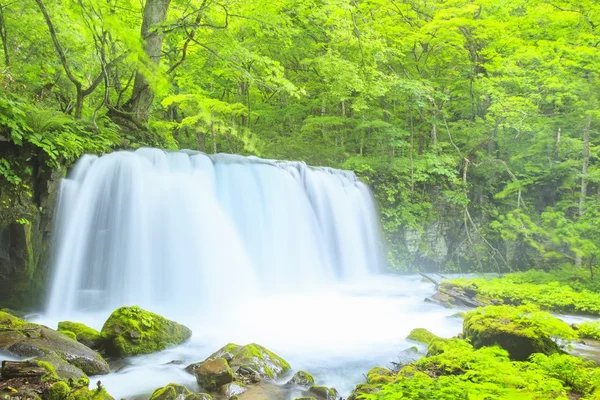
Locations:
187 231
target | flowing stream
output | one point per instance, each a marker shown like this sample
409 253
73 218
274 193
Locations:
240 250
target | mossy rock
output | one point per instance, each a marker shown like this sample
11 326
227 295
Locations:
302 378
266 363
59 369
380 376
25 339
131 330
87 394
83 333
58 391
69 334
323 392
213 373
522 331
422 335
18 314
174 391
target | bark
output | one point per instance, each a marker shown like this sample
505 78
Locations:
155 12
4 37
584 173
21 369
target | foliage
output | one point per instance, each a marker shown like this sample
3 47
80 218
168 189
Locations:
453 370
514 289
588 330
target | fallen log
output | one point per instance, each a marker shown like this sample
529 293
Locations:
21 369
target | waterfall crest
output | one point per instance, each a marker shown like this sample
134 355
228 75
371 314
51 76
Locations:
185 229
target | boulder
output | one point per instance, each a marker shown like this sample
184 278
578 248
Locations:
516 329
254 357
302 378
57 367
324 393
232 389
131 330
213 373
24 339
174 391
83 334
421 335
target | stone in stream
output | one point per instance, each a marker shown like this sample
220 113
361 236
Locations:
213 373
250 363
323 392
83 334
421 335
131 330
24 339
174 391
232 389
302 378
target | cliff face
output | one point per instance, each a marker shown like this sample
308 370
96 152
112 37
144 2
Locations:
25 241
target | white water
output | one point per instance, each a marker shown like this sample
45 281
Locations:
187 231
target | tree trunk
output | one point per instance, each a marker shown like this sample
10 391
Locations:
212 130
155 12
4 37
584 172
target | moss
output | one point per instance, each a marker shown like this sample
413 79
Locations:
521 330
212 374
379 375
324 392
10 321
256 357
58 391
69 334
174 391
83 333
131 330
302 378
422 336
86 394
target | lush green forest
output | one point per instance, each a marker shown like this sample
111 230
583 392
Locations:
475 122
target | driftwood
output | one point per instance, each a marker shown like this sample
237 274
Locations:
21 369
436 283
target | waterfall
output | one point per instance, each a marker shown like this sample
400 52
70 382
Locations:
183 230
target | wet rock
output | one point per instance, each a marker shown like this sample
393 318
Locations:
512 331
83 334
131 330
63 369
247 375
324 393
174 391
421 335
450 295
213 373
232 389
24 339
266 363
302 378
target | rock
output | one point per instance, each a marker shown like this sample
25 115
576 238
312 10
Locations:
510 328
232 389
266 363
131 330
86 394
24 339
324 393
422 336
302 378
247 375
380 376
450 295
174 391
213 373
83 334
63 370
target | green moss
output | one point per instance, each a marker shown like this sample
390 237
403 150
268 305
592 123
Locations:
10 321
324 392
302 378
83 333
131 330
422 336
588 330
379 375
69 334
213 373
256 357
454 370
521 330
58 391
87 394
548 291
174 391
